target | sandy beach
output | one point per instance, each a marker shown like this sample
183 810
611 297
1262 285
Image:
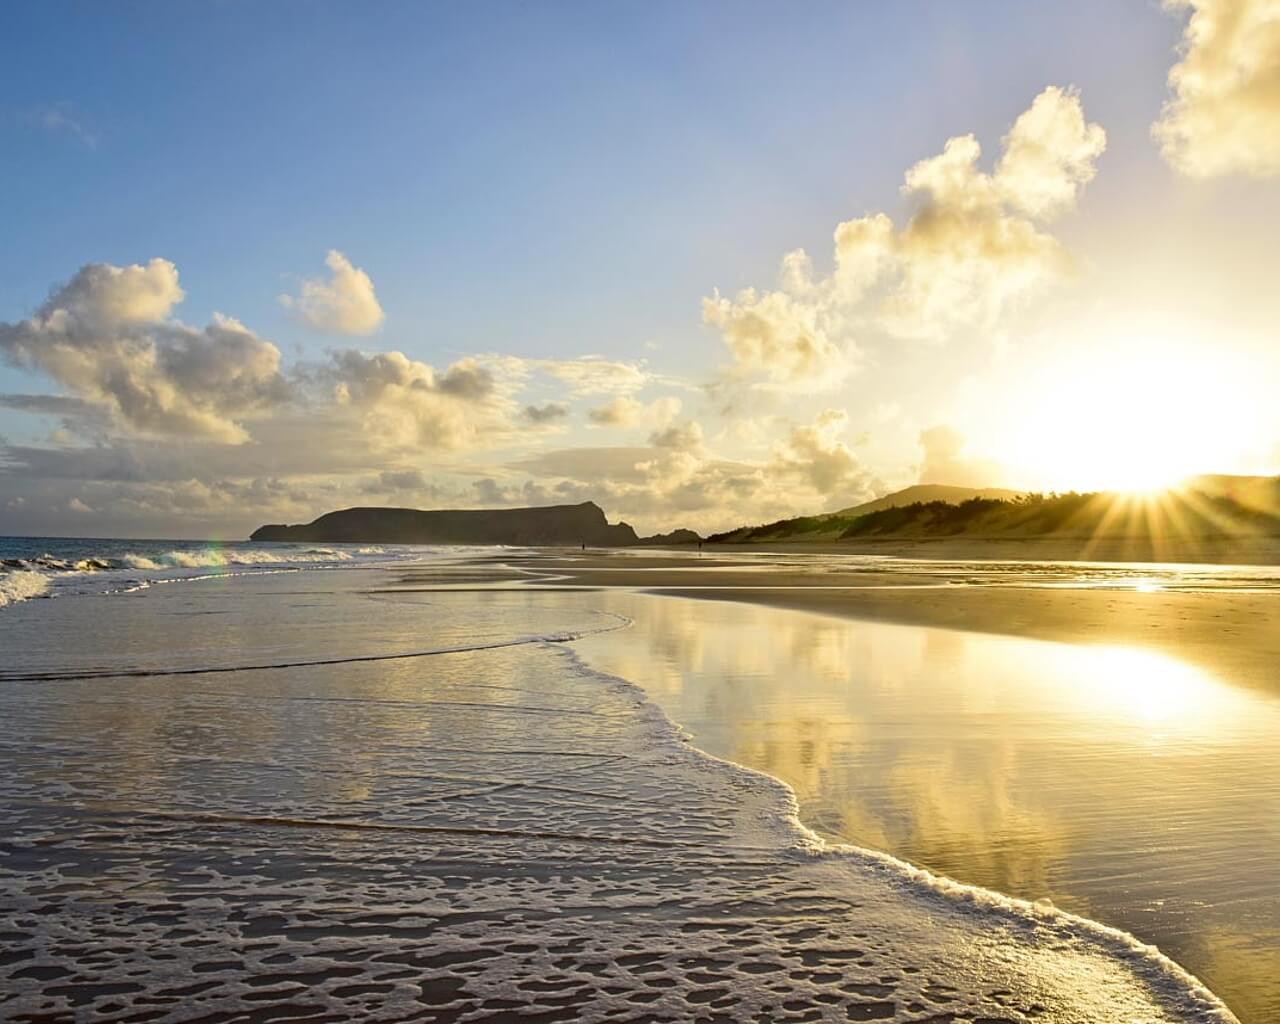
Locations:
1146 547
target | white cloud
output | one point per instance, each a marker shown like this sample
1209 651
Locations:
406 403
108 337
778 336
817 455
1224 114
592 375
344 304
975 244
625 411
678 480
685 437
1050 154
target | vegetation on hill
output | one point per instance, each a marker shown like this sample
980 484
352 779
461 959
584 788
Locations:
923 493
1099 514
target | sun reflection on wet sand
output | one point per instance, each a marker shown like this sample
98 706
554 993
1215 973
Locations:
1118 781
1146 687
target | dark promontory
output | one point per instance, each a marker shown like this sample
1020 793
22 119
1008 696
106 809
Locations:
553 525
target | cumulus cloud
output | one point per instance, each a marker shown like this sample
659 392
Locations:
656 488
625 411
406 403
344 304
1224 113
548 413
678 480
489 491
108 337
817 455
778 336
158 402
686 436
975 243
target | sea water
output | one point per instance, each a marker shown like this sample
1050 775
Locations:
1121 783
33 567
293 794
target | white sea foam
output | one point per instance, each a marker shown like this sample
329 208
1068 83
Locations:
117 567
21 586
210 558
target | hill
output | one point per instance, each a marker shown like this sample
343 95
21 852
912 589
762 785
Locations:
829 526
1261 493
1205 508
552 525
917 493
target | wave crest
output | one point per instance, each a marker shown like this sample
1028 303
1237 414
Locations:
22 586
212 558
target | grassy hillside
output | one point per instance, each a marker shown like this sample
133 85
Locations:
921 493
1212 512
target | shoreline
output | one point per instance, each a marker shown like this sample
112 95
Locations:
1166 977
1197 618
1234 633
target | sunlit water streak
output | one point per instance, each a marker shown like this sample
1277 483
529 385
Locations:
1119 782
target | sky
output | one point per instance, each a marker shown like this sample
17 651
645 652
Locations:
704 264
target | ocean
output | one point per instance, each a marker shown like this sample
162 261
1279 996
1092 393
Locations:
261 782
32 567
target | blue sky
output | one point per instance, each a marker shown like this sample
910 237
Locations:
512 175
542 181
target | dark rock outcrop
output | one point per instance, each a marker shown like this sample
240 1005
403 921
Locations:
674 537
553 525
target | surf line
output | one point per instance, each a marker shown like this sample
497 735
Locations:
136 673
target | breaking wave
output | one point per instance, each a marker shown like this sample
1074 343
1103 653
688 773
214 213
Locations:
21 585
50 567
212 558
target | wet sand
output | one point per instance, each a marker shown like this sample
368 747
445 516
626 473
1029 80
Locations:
1235 633
1257 550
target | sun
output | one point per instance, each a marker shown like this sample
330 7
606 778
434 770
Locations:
1132 415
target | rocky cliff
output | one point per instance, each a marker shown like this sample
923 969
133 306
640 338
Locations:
553 525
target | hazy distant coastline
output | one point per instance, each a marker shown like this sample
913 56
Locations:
1215 519
1209 518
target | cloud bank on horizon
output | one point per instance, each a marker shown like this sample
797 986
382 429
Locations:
146 421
